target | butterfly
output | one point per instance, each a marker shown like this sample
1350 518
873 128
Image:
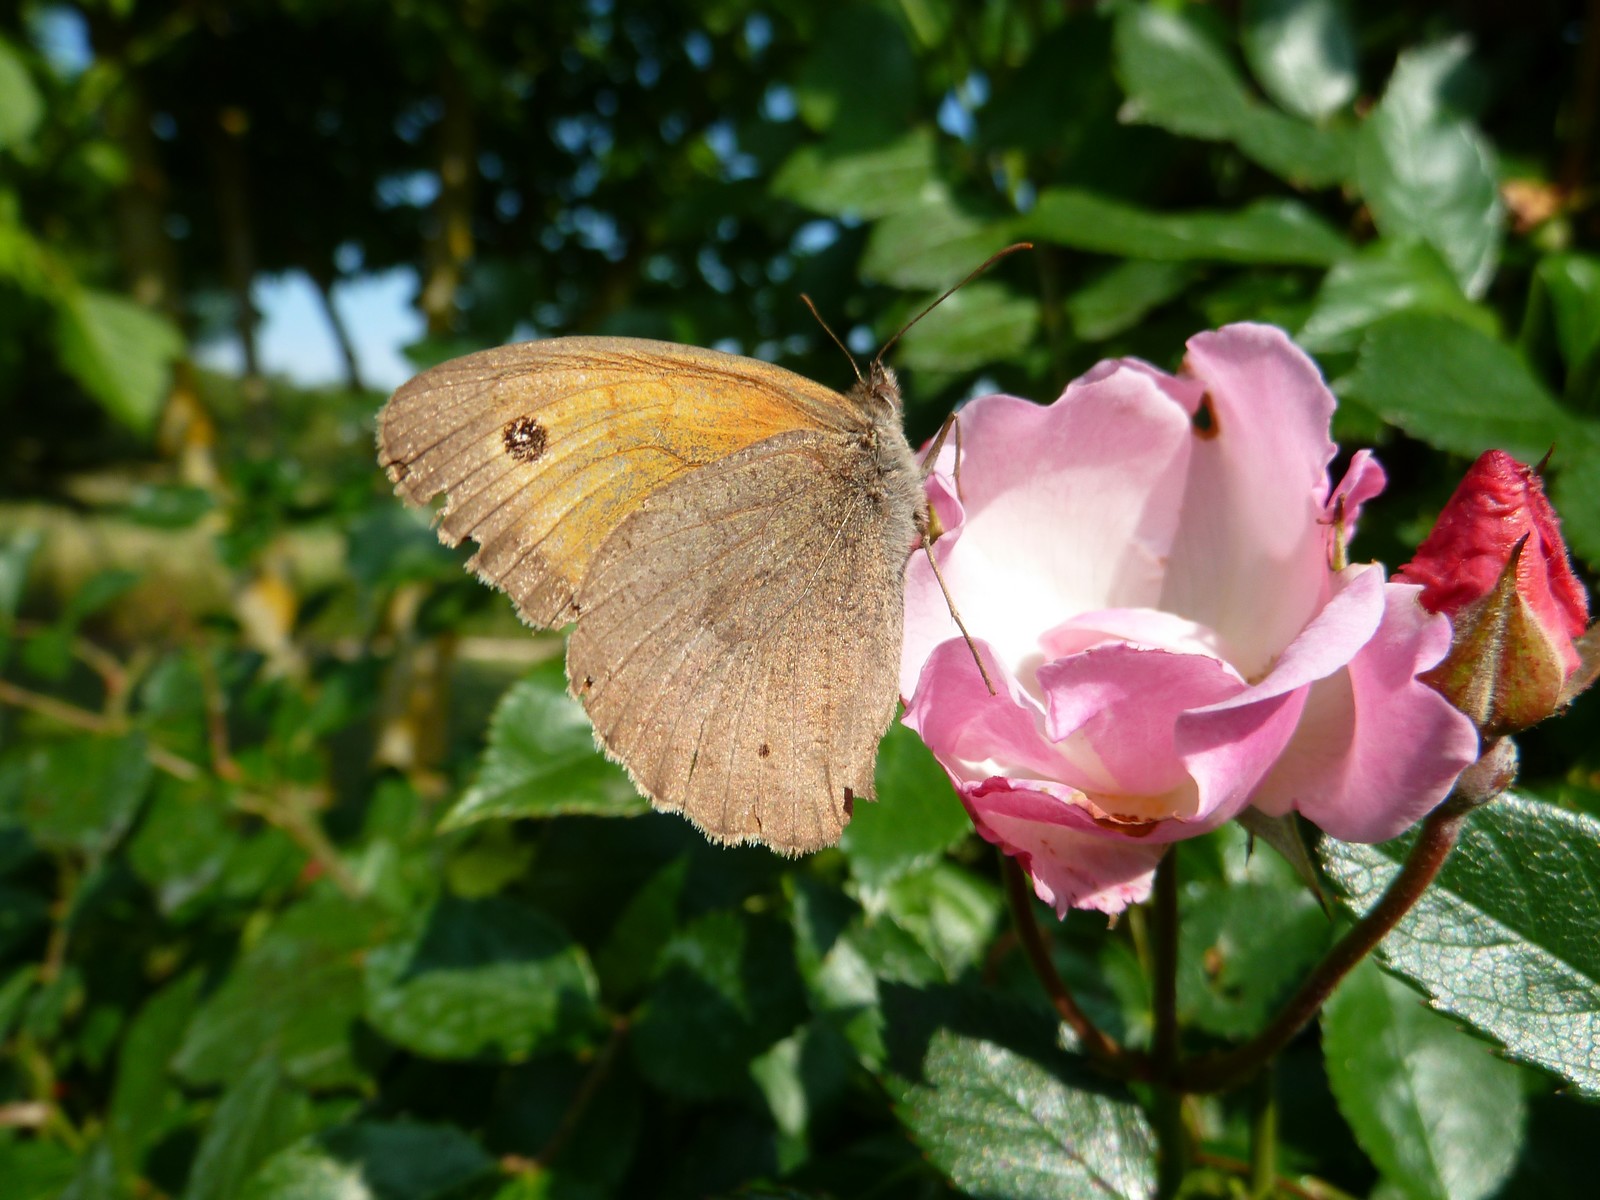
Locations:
729 538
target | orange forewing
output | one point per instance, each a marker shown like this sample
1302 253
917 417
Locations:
545 447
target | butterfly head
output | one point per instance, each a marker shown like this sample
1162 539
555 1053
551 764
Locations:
880 391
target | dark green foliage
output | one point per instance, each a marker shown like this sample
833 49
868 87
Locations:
312 882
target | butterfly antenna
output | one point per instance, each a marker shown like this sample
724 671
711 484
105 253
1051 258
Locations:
989 262
825 329
972 646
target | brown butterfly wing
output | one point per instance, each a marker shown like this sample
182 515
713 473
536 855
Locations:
544 448
739 636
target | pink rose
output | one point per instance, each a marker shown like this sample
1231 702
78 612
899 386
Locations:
1146 566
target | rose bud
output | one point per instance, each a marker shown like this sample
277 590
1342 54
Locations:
1496 565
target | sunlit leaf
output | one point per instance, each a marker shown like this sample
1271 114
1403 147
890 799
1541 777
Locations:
541 760
372 1161
1504 939
21 106
486 978
1438 1113
1179 77
1303 52
1427 172
1266 231
120 352
999 1124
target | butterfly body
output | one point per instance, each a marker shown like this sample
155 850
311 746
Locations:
729 538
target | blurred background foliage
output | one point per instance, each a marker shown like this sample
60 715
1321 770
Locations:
270 924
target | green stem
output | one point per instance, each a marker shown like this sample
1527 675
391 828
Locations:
1264 1135
1094 1042
1170 1134
1218 1072
1172 1141
1164 965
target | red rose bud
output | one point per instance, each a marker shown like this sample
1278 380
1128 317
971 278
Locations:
1495 564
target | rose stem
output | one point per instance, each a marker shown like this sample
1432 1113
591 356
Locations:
1217 1072
1173 1155
1264 1133
1096 1045
1164 965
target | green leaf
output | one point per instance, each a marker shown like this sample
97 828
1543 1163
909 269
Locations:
373 1161
16 990
144 1098
1573 493
81 794
1572 282
915 819
120 352
982 323
481 978
174 506
1505 938
1383 279
1303 53
259 1114
16 555
181 847
24 260
933 244
840 977
1242 948
1426 172
532 1102
296 995
1265 231
21 106
725 991
49 652
35 1170
1001 1125
950 912
1434 1109
96 1177
860 69
1457 388
1119 298
1179 77
627 959
541 760
848 182
21 914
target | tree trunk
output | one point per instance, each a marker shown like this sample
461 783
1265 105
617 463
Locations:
450 248
323 280
149 260
230 175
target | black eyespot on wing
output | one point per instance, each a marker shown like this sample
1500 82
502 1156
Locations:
763 750
525 439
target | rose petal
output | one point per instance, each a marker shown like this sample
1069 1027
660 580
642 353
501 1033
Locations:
1376 749
1145 628
1230 746
1069 868
975 735
1249 560
1065 508
1363 479
1114 712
